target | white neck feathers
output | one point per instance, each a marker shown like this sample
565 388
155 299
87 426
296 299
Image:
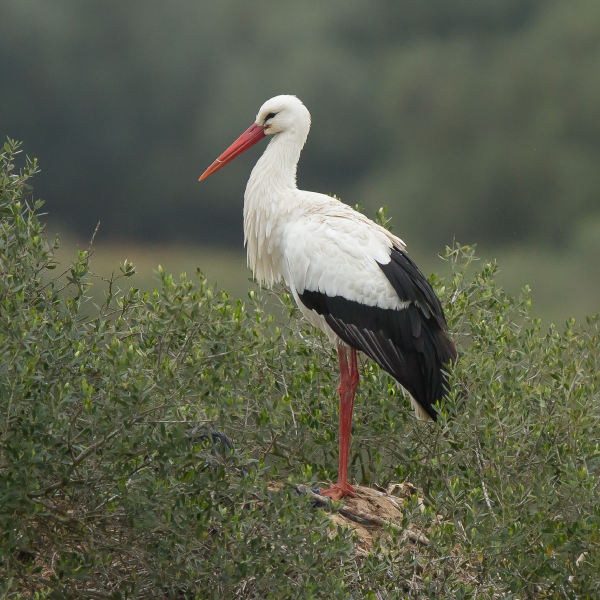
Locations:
270 202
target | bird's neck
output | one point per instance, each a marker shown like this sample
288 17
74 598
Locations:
276 168
269 203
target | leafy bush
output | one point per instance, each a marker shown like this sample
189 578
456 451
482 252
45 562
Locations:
514 466
113 482
105 488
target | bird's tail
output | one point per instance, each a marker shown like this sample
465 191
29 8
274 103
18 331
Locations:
420 412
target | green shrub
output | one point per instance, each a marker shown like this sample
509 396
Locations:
111 486
105 492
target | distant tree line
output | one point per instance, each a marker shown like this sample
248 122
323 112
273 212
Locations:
476 118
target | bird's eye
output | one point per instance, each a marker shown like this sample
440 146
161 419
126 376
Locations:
269 116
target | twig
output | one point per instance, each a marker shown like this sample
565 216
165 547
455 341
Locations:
416 537
365 516
266 452
483 488
52 565
93 447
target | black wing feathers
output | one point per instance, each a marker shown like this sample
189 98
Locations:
411 343
411 286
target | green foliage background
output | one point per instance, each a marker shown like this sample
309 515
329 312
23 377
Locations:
483 113
107 489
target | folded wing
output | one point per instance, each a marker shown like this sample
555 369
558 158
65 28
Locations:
374 298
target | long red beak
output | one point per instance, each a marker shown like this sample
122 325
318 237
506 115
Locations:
253 134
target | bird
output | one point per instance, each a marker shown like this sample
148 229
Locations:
350 277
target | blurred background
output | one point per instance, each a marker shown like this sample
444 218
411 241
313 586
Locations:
472 120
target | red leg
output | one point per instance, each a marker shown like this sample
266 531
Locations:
347 390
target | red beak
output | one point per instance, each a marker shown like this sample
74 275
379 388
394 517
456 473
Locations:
253 134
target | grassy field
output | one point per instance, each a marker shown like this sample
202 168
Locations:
563 285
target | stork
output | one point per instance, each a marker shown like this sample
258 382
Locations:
350 277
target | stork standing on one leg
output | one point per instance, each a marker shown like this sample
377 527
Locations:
350 277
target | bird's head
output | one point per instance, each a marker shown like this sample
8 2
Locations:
283 113
279 115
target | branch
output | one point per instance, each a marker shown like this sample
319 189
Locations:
484 489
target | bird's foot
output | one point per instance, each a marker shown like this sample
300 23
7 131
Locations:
339 491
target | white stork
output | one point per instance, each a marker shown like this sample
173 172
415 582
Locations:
350 277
